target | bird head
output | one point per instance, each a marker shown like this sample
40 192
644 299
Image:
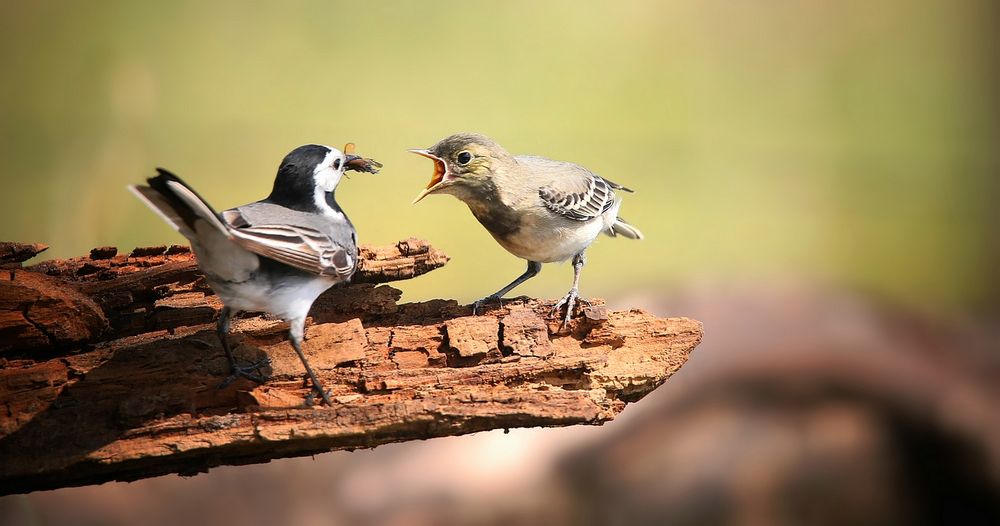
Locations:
314 168
462 163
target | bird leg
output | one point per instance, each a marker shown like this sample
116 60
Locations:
569 300
235 371
534 268
295 334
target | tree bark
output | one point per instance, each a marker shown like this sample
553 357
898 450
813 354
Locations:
110 368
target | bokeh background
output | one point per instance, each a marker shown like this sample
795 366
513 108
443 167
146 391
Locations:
817 181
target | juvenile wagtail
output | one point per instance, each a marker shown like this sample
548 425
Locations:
276 255
536 208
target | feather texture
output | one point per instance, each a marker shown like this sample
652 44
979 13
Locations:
297 246
571 190
301 246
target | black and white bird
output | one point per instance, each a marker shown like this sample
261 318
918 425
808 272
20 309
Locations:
276 255
538 209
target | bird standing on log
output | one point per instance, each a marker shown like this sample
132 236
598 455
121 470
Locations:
536 208
276 255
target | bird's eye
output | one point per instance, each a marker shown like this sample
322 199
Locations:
464 157
336 164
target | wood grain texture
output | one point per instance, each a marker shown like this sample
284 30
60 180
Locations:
110 368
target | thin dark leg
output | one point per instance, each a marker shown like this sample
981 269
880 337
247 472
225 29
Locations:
222 329
534 268
235 371
295 336
569 300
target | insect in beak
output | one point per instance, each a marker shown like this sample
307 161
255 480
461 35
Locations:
358 163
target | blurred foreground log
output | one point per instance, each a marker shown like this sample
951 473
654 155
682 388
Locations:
110 367
829 406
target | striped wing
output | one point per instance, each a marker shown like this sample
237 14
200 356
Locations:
580 196
296 246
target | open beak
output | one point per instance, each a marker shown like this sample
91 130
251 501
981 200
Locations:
438 180
358 163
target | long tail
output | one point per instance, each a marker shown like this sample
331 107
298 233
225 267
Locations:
178 204
621 228
219 256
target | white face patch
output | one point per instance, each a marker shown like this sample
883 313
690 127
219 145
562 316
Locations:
327 177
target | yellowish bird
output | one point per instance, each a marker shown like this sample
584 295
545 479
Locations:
537 209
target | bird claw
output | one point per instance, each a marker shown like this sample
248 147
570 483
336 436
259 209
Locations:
569 300
479 304
311 397
246 372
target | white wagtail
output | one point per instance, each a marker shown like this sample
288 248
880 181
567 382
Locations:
536 208
276 255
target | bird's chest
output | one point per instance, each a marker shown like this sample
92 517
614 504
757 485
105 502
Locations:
545 239
285 293
497 218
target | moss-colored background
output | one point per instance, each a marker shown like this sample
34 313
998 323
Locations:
848 141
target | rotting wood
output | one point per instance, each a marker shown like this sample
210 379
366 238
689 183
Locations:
109 368
15 253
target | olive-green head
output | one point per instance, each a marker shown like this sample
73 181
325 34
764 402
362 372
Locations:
463 164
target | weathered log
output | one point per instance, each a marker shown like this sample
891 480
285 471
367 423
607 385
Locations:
110 368
107 295
16 253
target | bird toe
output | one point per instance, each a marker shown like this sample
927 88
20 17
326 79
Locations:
479 305
569 301
323 394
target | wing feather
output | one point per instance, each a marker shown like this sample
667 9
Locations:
581 197
296 246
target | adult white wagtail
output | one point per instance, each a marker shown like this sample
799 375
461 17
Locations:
536 208
276 255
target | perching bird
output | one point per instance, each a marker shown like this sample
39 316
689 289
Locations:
536 208
276 255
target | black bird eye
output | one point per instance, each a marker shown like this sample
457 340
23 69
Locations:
464 157
336 164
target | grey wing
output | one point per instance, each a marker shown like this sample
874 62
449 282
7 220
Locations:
573 191
298 246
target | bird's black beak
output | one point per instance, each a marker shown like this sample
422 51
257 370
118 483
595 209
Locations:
358 163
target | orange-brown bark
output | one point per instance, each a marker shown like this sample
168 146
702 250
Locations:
110 368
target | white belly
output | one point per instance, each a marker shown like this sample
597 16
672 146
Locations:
546 241
290 301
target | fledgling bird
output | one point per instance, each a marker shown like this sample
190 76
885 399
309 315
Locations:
276 255
538 209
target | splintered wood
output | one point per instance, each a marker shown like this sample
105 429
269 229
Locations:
110 367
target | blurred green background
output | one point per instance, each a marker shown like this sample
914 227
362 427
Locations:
851 141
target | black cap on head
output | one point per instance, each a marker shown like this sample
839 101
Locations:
294 185
305 157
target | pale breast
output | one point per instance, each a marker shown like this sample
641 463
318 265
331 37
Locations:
547 240
289 299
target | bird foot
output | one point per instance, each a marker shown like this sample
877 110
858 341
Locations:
250 372
311 397
479 304
569 301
